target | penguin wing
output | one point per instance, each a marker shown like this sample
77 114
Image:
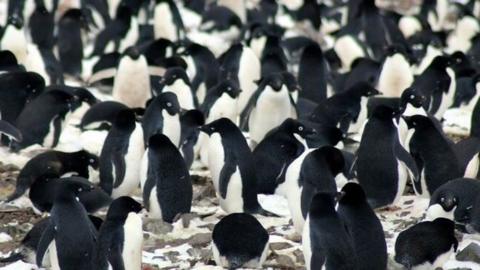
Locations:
248 108
147 189
466 150
9 130
47 237
119 166
227 171
57 129
435 101
116 245
407 159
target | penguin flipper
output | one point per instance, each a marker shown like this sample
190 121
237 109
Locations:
407 159
225 174
245 115
57 129
120 167
10 131
147 189
47 237
436 101
115 256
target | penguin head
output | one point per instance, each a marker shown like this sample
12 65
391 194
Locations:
219 125
85 96
132 52
73 185
291 82
364 89
275 81
447 201
411 96
384 113
418 122
323 203
15 20
441 62
231 87
122 206
331 156
193 118
160 142
168 101
173 74
76 15
86 157
352 194
34 84
64 97
295 127
125 120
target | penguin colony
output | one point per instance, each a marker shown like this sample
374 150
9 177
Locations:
336 106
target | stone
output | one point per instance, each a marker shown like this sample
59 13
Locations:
471 253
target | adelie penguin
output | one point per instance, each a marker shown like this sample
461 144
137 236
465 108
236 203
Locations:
312 172
426 245
221 22
42 120
190 122
101 115
326 243
14 39
121 156
120 238
364 227
166 184
176 80
168 22
163 116
70 236
276 151
268 107
231 164
239 240
131 85
54 163
396 73
382 164
313 73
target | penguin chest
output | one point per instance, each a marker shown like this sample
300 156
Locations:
307 247
183 92
225 106
248 73
402 180
14 40
131 36
171 127
164 26
133 242
132 82
133 159
396 75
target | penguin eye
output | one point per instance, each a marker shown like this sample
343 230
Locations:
300 128
412 96
174 76
80 189
92 160
212 128
229 89
442 199
169 104
455 200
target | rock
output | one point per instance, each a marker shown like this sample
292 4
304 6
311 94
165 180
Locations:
201 239
470 253
157 226
186 218
280 245
299 256
285 261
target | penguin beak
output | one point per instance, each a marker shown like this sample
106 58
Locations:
203 129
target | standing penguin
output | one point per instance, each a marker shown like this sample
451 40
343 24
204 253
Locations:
70 43
120 239
168 22
42 120
14 39
312 172
162 116
230 162
41 25
382 164
121 156
70 235
427 244
276 151
166 184
176 80
132 81
239 240
326 243
312 74
364 227
268 107
396 74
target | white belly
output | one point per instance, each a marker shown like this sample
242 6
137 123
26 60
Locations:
249 72
155 211
183 92
171 127
53 256
133 242
307 248
163 23
132 82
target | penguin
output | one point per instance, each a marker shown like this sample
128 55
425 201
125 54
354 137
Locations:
437 83
240 62
103 71
70 43
121 156
326 243
385 181
396 73
41 25
460 39
273 59
313 73
436 160
166 184
14 39
9 63
280 147
41 190
168 22
190 122
69 227
268 107
101 115
312 172
426 244
362 70
231 164
348 110
454 200
163 116
239 240
131 84
239 7
42 120
120 238
176 80
222 22
466 94
56 163
28 245
363 226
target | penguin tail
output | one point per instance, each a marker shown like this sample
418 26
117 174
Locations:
15 256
